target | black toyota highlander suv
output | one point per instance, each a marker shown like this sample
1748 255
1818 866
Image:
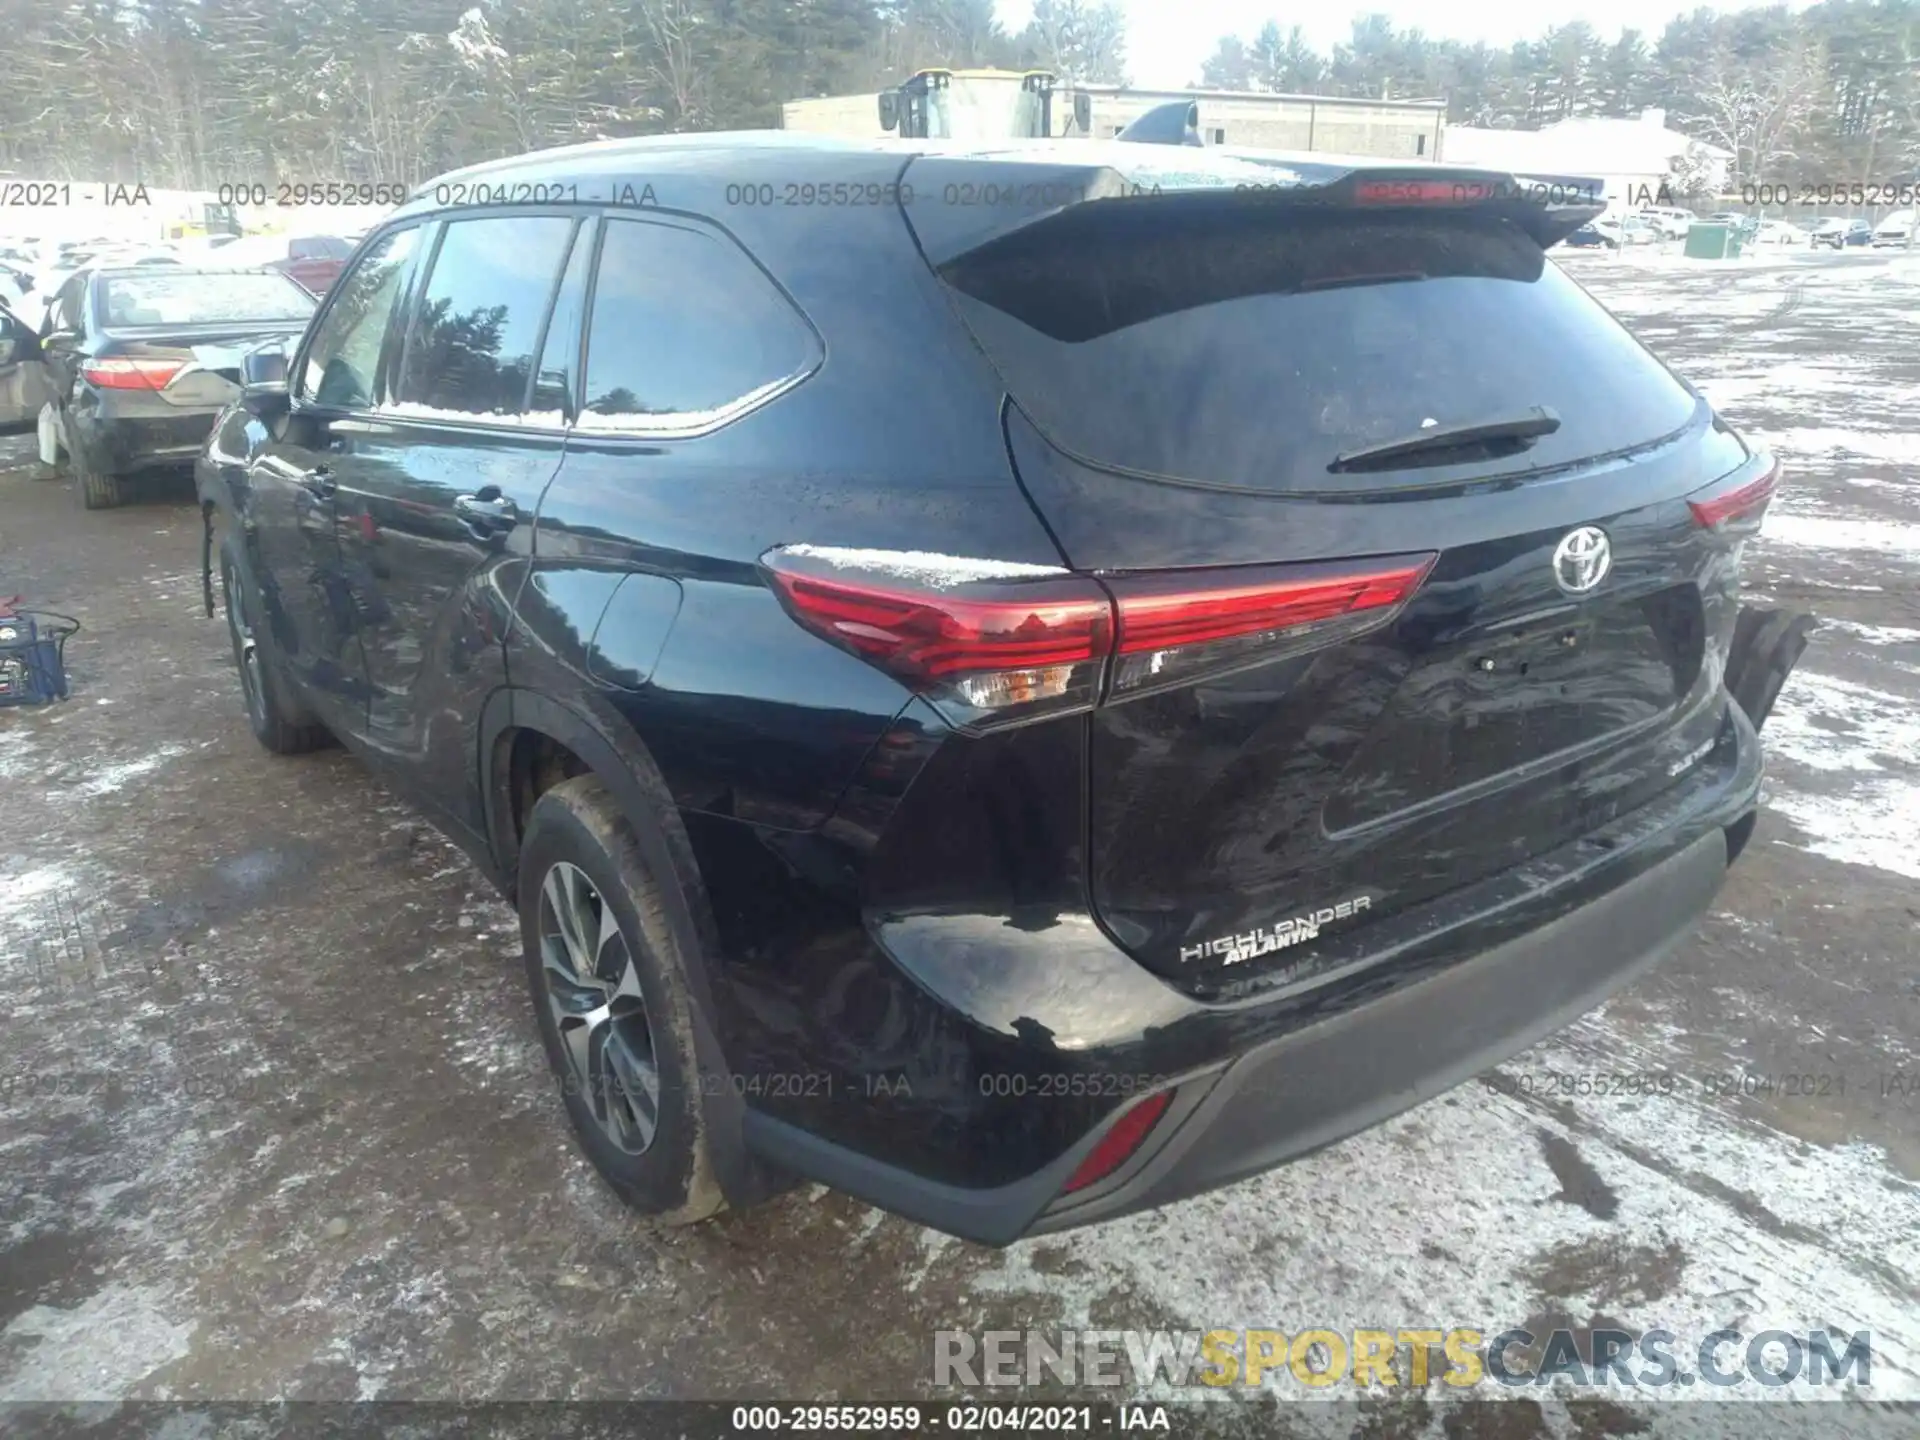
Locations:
1020 684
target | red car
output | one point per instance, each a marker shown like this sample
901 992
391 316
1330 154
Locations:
313 261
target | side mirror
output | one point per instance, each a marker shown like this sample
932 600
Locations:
1083 111
263 383
890 110
265 366
266 403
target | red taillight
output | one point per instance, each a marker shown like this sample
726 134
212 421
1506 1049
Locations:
1423 192
1740 501
123 373
1176 627
993 644
990 641
1121 1140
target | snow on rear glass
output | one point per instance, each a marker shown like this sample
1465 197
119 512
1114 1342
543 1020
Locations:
1251 350
195 299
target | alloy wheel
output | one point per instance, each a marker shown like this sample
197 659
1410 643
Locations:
593 993
245 648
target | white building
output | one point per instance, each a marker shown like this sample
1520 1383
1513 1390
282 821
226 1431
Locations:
1401 129
1633 157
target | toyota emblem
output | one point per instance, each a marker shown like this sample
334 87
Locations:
1581 559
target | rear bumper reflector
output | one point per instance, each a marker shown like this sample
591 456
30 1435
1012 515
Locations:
1123 1137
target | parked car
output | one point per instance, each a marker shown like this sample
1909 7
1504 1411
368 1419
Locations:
141 360
1614 231
939 738
1670 221
1895 229
314 261
1779 232
16 284
1836 231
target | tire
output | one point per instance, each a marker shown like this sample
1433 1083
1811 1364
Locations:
630 1080
276 719
97 491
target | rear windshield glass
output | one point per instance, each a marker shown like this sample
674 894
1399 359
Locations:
197 299
1252 350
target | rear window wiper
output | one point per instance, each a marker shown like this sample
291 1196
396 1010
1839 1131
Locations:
1504 433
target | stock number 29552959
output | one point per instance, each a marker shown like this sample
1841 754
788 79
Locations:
317 192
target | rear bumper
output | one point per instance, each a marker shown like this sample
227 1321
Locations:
1463 984
1307 1090
140 434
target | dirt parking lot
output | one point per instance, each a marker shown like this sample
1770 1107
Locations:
274 1120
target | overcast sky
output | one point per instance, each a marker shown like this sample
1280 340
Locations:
1167 40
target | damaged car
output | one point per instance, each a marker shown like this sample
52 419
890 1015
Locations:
1053 706
141 360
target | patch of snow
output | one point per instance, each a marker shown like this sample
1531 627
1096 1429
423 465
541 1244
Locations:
922 567
1461 1211
19 893
1779 380
1860 724
1874 634
1873 824
1892 447
19 757
413 410
98 1351
109 778
1816 532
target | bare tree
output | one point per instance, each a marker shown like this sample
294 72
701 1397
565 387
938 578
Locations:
677 63
1759 107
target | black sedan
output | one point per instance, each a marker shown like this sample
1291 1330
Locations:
141 361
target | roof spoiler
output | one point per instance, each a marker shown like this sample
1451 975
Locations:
1546 208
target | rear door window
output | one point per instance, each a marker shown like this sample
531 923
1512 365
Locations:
1251 351
470 345
686 332
342 360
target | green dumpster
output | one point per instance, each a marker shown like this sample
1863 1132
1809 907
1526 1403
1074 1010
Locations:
1707 240
1715 240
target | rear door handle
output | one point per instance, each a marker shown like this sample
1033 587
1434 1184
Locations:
488 512
319 482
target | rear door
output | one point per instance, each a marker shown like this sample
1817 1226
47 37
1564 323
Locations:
436 508
1357 668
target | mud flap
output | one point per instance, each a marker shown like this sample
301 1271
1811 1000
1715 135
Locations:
206 557
1767 644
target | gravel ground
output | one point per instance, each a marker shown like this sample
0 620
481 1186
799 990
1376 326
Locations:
274 1120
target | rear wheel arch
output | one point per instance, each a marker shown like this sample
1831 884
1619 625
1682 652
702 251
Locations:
529 742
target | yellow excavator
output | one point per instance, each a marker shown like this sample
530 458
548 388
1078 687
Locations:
977 105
